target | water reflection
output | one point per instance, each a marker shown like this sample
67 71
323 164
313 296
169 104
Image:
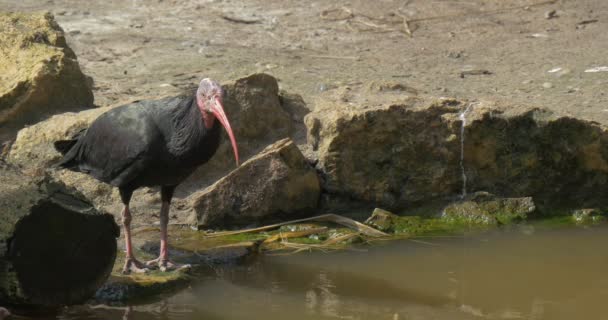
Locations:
504 275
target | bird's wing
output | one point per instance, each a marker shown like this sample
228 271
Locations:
118 145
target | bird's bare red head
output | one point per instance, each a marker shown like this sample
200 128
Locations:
209 97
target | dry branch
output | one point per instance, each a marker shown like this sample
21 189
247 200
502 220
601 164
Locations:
294 234
347 222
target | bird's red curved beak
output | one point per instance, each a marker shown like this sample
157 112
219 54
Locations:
218 110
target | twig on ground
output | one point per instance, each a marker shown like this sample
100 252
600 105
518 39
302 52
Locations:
240 20
490 12
295 234
326 14
334 57
406 25
330 217
350 17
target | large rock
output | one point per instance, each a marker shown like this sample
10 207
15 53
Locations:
388 154
278 181
39 73
258 114
392 150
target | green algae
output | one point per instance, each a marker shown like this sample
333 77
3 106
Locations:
123 288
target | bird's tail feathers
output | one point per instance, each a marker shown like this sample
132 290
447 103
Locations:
64 146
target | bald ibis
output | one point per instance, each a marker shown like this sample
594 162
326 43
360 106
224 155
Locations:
153 143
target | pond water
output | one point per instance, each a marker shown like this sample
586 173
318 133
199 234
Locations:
521 273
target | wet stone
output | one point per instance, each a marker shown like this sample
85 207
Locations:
382 220
588 216
482 208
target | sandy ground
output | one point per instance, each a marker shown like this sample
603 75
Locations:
510 50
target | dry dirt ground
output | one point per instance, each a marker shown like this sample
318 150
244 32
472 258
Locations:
531 52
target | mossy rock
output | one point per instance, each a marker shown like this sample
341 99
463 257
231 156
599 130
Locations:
416 224
39 73
382 220
140 287
200 248
485 209
422 226
588 216
123 288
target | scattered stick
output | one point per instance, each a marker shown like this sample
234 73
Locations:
373 26
587 22
335 57
349 16
339 239
240 20
325 14
347 222
542 3
406 24
476 72
294 234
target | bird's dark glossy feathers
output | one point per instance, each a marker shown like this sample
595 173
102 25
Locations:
150 143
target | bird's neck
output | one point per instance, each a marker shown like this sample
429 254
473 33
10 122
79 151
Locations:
188 126
208 120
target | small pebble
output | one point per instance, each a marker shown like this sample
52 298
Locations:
547 85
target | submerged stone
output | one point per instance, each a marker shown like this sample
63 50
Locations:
124 288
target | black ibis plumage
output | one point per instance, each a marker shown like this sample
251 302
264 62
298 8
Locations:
155 143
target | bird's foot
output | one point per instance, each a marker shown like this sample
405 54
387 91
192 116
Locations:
133 265
166 265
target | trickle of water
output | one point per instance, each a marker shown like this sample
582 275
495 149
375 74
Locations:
463 121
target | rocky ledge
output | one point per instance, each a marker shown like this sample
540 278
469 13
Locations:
396 151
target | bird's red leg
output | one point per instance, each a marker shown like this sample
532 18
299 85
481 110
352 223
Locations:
131 264
163 261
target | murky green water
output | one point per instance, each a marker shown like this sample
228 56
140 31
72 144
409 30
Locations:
518 274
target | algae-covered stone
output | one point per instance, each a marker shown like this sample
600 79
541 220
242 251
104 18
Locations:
588 216
186 246
278 180
126 288
382 220
39 73
469 212
483 208
413 225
